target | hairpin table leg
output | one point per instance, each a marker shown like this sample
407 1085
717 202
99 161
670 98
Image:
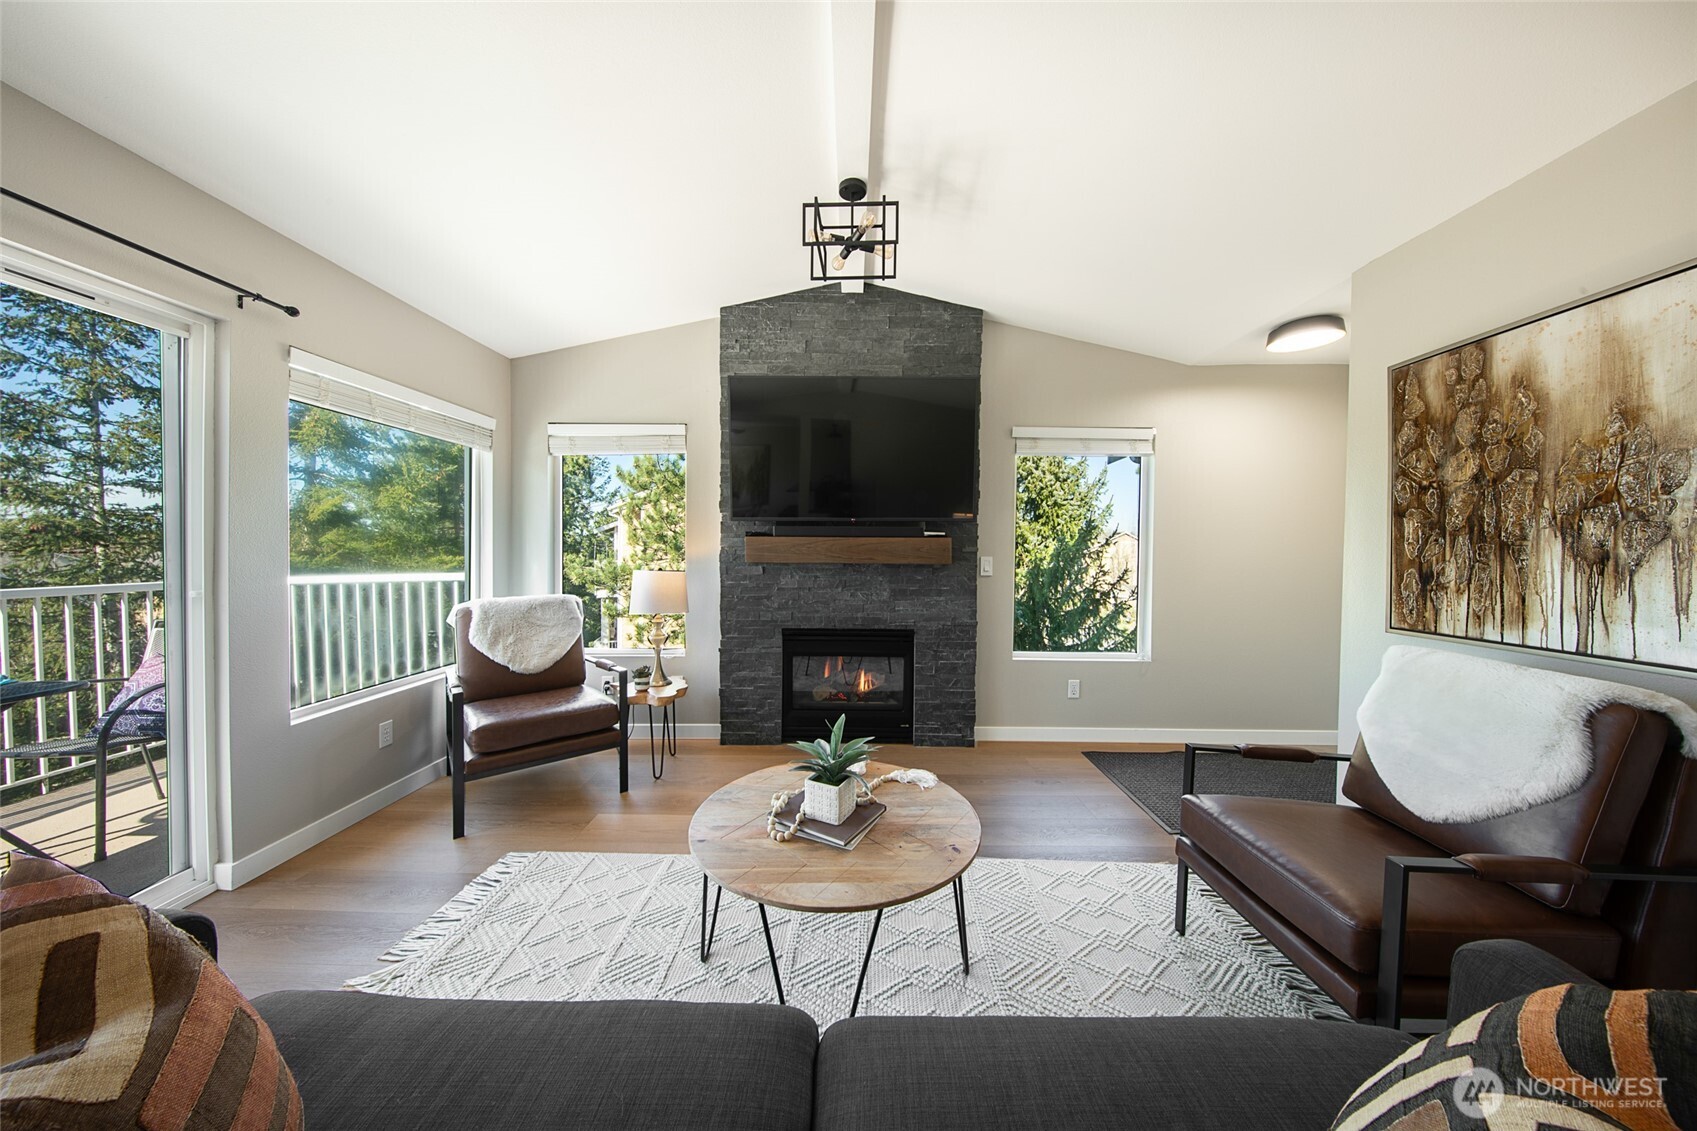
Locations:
960 923
865 962
771 952
707 932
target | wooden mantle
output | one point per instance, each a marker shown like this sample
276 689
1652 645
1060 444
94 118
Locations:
767 549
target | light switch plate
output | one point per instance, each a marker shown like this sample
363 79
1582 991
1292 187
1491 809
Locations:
987 566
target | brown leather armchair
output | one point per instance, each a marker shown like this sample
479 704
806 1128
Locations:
499 720
1372 902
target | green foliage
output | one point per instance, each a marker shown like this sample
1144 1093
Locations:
653 510
1074 589
600 500
81 467
81 487
829 759
367 498
586 546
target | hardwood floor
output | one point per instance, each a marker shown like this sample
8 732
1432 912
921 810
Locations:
327 914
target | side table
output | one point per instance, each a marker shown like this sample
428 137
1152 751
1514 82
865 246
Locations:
666 699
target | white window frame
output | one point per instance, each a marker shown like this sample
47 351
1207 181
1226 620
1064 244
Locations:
1139 442
396 400
189 445
611 439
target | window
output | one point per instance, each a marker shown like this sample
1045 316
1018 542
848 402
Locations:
621 509
1081 541
380 530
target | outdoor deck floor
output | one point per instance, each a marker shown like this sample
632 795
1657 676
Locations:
62 823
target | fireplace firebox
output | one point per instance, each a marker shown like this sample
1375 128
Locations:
865 674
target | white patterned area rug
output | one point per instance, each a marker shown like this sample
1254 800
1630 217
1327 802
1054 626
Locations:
1056 938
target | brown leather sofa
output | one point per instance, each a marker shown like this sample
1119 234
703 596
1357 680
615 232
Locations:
500 721
1320 881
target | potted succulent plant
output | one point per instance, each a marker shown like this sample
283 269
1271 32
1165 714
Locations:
834 767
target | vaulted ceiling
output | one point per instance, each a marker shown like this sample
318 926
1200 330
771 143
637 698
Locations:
1172 179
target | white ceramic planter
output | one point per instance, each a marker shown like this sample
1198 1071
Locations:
831 804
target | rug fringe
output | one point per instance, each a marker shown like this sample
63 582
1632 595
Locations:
1293 978
424 937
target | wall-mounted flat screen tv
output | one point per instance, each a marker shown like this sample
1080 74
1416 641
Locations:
862 448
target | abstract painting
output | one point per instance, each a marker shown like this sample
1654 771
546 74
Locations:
1542 492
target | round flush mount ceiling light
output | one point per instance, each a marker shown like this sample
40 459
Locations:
1305 333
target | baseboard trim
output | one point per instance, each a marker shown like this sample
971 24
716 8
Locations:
639 731
234 875
1155 734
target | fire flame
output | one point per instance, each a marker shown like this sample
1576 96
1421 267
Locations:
837 684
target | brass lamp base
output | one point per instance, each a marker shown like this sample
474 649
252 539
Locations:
659 678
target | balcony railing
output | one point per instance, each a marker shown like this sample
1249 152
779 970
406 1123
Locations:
93 632
348 632
357 630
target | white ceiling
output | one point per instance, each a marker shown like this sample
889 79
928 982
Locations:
1172 179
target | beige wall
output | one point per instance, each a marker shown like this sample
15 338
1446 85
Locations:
1246 523
275 779
666 376
1619 207
1248 493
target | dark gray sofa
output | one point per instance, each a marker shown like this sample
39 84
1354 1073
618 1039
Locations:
367 1061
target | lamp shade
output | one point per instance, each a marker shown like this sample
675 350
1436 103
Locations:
657 591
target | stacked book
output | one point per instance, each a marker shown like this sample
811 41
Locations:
846 835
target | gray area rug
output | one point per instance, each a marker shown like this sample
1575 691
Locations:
1047 937
1156 780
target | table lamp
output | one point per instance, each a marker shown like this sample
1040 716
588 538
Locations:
658 593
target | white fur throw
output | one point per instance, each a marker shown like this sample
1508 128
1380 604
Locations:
527 634
1458 738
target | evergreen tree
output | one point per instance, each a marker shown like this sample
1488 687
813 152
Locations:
81 464
328 461
367 498
653 512
1072 591
601 500
586 550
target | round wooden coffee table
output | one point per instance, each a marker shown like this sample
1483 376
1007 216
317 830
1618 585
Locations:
925 841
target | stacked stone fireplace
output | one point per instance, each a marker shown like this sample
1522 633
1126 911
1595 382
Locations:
823 333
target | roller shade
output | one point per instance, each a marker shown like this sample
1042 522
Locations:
1084 441
327 384
615 439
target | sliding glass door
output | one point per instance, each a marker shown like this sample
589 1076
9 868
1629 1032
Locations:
97 767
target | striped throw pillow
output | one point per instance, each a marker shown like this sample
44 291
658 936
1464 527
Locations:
1567 1057
111 1017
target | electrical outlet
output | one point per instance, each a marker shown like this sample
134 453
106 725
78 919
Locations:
1072 689
987 567
386 733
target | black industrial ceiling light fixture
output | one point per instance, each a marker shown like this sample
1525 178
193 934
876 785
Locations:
834 233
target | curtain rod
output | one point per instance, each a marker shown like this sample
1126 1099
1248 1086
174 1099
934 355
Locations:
242 293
